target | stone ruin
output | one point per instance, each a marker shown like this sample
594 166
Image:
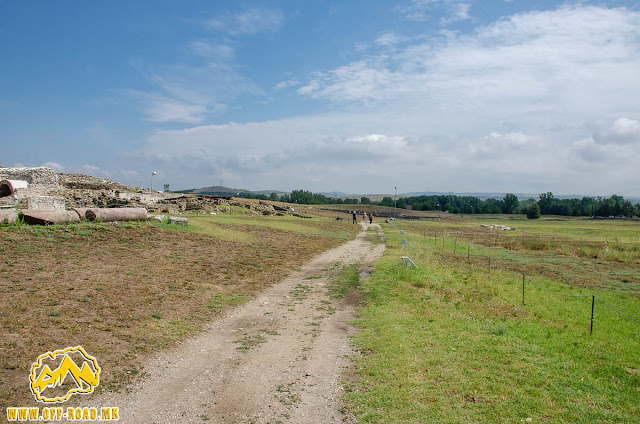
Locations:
43 189
84 191
35 188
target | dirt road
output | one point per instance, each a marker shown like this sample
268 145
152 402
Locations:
276 359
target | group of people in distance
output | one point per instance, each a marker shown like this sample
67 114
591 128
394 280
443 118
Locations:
364 217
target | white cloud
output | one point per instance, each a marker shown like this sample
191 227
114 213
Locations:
92 170
390 39
542 61
598 156
504 145
285 84
626 127
366 80
129 175
458 12
166 110
213 51
190 93
529 103
160 108
252 21
55 166
422 10
360 46
621 131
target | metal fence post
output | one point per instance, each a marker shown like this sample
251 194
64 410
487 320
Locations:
593 304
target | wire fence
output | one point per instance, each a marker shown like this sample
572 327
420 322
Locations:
501 237
439 243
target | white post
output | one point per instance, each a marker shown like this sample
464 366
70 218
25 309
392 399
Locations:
395 195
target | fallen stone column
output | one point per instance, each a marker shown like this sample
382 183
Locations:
81 212
116 214
8 216
158 218
44 217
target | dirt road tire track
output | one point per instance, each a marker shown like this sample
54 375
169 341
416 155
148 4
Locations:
277 359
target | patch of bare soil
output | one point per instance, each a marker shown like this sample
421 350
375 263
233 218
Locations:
125 292
278 358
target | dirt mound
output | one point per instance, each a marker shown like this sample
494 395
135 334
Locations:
85 191
87 182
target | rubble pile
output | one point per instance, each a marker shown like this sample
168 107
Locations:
42 186
87 182
84 191
497 226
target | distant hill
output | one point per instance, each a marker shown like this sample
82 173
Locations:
334 194
210 190
227 191
268 192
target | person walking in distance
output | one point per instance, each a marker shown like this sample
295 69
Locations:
370 218
354 216
364 217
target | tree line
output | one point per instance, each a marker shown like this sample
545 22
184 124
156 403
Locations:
547 204
304 197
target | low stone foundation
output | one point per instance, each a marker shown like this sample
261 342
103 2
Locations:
46 203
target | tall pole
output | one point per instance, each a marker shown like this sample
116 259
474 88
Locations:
152 174
593 304
395 195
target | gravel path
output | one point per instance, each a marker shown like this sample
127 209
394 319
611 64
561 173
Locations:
277 359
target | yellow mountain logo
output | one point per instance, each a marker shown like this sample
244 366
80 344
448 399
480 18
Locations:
82 379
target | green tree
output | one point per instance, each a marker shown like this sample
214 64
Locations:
627 209
533 212
285 198
510 203
386 201
365 200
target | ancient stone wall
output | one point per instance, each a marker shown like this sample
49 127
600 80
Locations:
42 181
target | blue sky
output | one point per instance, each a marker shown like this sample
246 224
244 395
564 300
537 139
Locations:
353 96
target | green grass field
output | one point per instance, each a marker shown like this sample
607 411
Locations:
452 342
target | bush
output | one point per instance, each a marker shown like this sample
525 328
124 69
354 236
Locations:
533 212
